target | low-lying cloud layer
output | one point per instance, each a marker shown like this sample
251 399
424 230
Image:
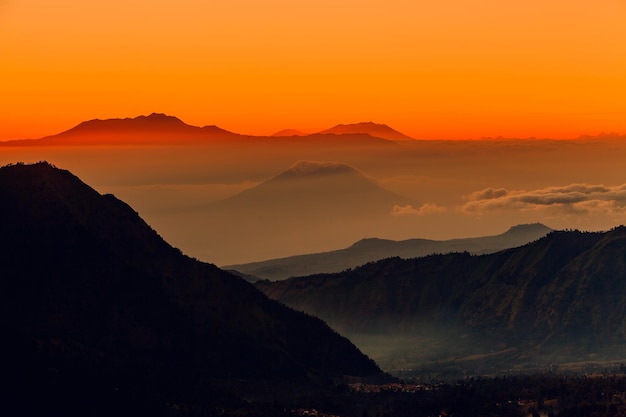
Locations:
408 209
574 198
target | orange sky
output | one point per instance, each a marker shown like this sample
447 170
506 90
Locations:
446 69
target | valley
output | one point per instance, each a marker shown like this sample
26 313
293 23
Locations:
556 300
312 208
361 232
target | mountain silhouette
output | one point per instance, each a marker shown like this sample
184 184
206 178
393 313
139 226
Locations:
162 129
374 129
155 128
101 316
374 249
289 132
558 299
307 204
300 209
310 187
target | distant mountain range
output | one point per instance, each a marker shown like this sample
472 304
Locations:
559 299
373 249
161 129
100 316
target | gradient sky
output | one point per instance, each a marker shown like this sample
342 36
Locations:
445 69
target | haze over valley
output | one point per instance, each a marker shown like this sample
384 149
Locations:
487 287
374 249
313 208
92 293
186 181
557 300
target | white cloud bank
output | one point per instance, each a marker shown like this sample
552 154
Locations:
409 210
569 199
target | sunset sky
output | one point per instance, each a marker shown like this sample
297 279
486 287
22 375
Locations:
444 69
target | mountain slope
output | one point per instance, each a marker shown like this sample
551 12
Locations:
374 129
90 290
373 249
563 293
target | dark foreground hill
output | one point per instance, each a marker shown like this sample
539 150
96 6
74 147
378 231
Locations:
100 316
373 249
559 299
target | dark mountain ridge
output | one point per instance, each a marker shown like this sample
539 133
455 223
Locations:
564 293
373 249
91 292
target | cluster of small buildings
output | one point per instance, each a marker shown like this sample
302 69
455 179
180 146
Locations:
311 412
394 387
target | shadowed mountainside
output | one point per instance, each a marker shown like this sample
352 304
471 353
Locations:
373 249
100 314
562 297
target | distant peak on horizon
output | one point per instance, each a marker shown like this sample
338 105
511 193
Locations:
374 129
603 135
153 121
318 168
288 132
142 121
529 226
158 116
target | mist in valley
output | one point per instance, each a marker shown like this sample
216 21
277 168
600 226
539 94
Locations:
232 203
445 189
450 353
